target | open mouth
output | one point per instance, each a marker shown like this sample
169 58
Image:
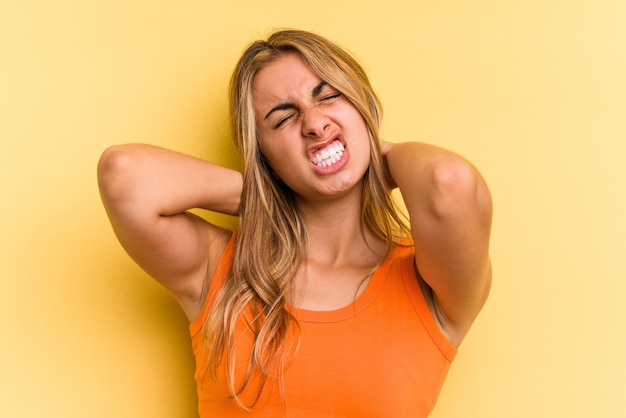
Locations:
329 155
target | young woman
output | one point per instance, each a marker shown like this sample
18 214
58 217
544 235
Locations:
324 303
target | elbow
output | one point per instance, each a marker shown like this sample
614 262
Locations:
113 171
459 189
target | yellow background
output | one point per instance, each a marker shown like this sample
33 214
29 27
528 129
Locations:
533 92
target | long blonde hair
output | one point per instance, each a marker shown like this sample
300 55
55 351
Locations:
268 246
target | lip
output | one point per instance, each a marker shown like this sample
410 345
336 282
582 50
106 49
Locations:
314 149
338 165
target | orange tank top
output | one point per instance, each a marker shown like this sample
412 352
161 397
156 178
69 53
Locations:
381 356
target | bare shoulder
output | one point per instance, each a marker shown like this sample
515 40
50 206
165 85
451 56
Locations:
450 211
193 299
219 240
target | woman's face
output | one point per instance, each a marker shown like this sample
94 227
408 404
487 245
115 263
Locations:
314 139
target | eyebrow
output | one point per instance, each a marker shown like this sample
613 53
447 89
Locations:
288 105
318 89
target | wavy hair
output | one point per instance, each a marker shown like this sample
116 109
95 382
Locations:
272 235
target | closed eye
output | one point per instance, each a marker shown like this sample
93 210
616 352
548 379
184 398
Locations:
331 97
283 120
324 92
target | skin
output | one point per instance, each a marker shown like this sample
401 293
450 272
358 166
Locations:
297 116
147 190
450 211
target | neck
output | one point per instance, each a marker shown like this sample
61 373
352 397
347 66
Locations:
336 233
340 256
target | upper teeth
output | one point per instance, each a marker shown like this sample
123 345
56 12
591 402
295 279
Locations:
329 156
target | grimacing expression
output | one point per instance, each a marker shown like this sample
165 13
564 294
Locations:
314 139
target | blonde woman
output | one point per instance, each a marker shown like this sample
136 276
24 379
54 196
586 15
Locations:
325 302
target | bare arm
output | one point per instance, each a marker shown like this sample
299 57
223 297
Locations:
146 191
450 211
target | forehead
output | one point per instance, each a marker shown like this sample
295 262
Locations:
287 76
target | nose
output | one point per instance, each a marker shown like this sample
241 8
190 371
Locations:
314 122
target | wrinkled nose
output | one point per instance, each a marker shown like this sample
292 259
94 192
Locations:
314 123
